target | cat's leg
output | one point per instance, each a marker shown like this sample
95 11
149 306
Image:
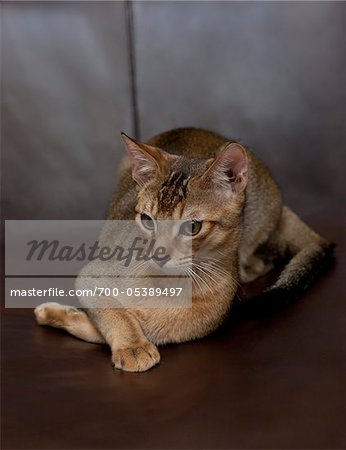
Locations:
308 254
131 350
74 321
254 267
253 264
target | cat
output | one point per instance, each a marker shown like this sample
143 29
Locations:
229 198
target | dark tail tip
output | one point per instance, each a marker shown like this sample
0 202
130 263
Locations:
278 297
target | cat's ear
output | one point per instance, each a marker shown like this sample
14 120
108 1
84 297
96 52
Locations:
146 160
227 173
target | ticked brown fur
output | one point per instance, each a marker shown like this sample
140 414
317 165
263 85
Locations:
196 174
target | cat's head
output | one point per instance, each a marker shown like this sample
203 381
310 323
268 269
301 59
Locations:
206 195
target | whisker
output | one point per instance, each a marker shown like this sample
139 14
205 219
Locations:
217 271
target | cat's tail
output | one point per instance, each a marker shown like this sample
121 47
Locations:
309 254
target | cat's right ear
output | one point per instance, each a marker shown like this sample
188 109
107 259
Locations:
145 160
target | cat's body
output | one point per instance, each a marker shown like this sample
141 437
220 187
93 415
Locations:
196 175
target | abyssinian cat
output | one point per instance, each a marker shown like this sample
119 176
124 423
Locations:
228 198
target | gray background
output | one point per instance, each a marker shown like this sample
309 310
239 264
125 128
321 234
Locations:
74 74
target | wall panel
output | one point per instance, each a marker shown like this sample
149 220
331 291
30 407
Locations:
66 97
269 73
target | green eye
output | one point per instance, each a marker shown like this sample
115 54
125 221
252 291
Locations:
190 228
147 222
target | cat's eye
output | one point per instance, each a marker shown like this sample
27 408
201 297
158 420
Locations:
190 228
147 222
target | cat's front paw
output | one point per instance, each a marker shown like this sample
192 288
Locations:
136 358
53 314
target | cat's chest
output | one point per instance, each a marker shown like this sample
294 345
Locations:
182 324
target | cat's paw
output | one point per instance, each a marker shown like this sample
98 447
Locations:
52 313
136 358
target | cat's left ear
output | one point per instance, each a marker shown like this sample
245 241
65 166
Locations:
228 172
146 160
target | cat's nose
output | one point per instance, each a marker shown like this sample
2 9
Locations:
162 262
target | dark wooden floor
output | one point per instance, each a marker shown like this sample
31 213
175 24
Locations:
275 382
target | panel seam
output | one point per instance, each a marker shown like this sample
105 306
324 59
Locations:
130 32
